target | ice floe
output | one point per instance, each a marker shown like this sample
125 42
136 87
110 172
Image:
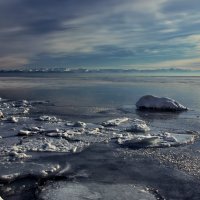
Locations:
138 125
136 141
159 103
126 124
79 191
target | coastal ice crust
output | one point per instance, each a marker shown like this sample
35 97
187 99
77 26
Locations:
22 134
159 103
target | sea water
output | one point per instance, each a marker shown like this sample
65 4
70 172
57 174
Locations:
52 156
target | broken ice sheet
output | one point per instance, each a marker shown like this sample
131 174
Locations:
158 140
80 191
127 124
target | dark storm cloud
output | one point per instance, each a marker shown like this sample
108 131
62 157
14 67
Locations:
134 31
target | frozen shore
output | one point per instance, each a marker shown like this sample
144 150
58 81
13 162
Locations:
26 137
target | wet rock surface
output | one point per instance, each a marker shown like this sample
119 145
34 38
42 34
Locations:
159 103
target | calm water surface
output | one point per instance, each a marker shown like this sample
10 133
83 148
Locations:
96 97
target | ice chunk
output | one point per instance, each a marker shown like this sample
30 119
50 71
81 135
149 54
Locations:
159 103
160 140
95 191
138 126
139 141
1 198
115 122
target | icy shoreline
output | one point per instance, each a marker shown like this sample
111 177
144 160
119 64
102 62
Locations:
24 134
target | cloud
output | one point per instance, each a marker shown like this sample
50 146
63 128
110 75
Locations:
92 33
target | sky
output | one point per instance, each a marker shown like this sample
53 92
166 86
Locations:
122 34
